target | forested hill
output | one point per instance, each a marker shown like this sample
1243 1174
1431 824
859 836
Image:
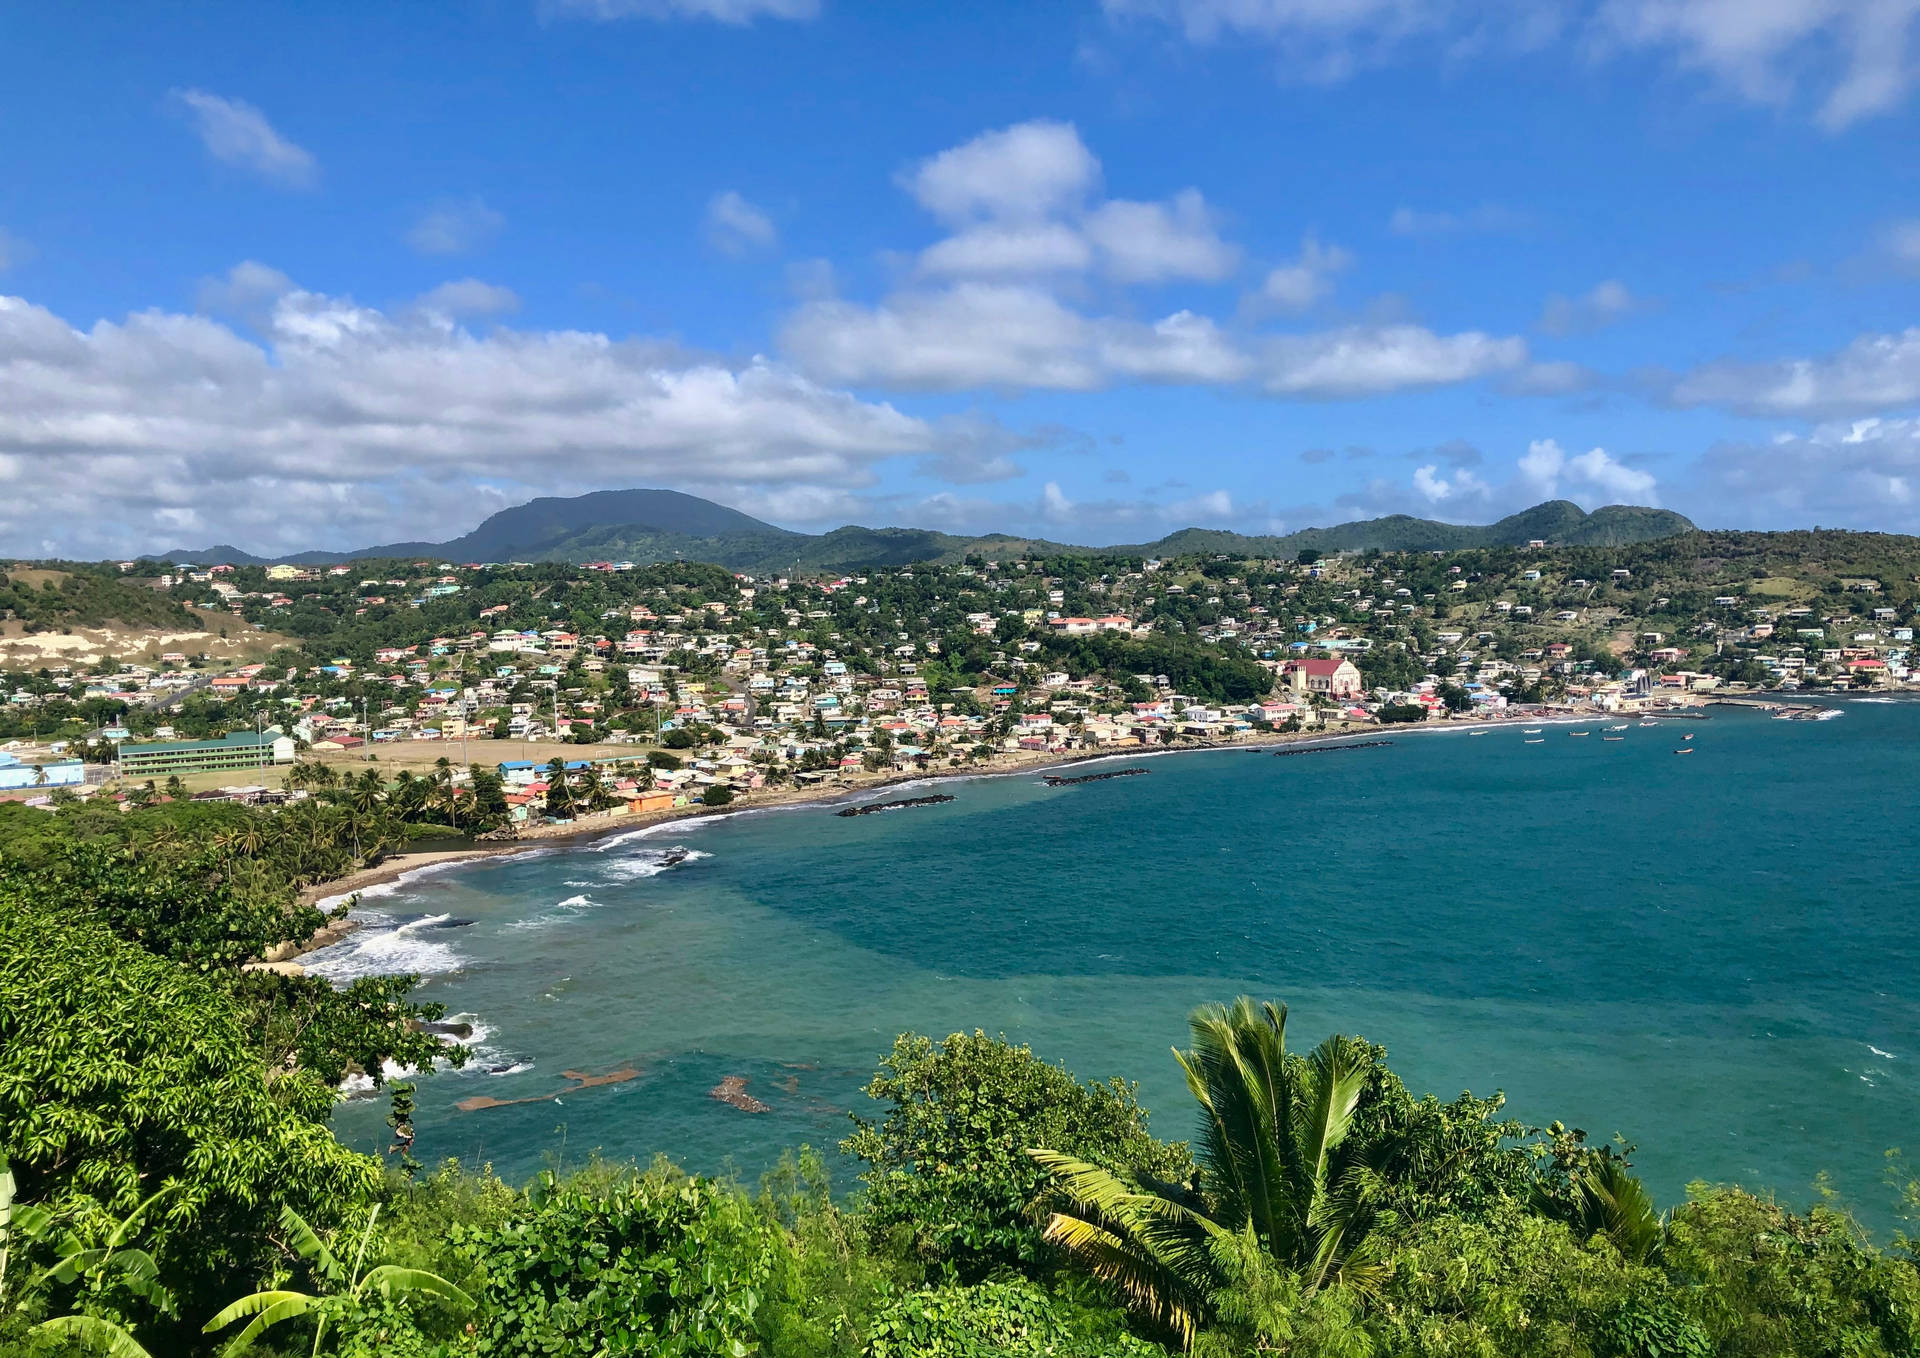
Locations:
648 526
83 596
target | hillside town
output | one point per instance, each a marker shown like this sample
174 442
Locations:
684 683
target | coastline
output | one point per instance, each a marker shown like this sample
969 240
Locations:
340 890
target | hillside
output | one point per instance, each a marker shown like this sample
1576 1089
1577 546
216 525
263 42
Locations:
43 600
649 526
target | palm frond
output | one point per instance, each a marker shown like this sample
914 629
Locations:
391 1280
304 1241
1150 1289
103 1336
255 1304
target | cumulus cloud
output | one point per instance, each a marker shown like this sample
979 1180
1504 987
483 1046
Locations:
972 334
1020 336
1459 485
1547 467
465 297
345 425
1874 373
1029 171
1855 56
1306 280
1004 248
1182 348
1369 360
236 133
1859 53
455 227
735 226
734 12
1862 473
1154 242
1605 304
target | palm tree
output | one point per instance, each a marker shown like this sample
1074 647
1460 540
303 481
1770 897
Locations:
75 1263
1272 1125
349 1285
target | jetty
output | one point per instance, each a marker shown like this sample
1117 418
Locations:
1055 780
871 807
1329 749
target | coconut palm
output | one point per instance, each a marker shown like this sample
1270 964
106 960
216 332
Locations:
349 1283
1272 1126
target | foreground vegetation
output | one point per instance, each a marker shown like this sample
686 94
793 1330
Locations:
174 1189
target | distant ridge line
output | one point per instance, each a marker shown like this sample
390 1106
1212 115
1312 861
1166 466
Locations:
651 526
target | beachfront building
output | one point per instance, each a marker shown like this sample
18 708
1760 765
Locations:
1338 679
240 750
18 776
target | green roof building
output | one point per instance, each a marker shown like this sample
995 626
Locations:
239 750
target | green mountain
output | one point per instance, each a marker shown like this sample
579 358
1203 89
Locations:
648 526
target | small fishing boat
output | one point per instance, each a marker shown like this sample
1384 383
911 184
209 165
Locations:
1532 730
1541 740
1579 733
1687 736
1476 733
1613 737
1649 723
1684 749
1621 727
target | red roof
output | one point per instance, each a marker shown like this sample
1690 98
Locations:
1328 668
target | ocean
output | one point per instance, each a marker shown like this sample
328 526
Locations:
1715 956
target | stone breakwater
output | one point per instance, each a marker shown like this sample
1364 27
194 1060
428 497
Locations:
1331 749
1054 780
872 807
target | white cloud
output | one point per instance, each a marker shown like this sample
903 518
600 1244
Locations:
734 12
463 297
455 227
1457 486
735 226
1546 467
1183 347
972 334
1154 242
1369 360
1858 51
1856 56
1019 336
1862 473
997 248
347 426
236 133
1029 171
247 289
1300 284
1873 373
1605 304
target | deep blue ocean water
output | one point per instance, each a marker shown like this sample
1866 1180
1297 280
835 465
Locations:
1715 955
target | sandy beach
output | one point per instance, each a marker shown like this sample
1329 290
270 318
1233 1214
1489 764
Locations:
853 785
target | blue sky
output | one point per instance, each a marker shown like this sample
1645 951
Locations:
330 275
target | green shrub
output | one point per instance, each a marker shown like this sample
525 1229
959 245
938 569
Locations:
1000 1320
947 1165
615 1264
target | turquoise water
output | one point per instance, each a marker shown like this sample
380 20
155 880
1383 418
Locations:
1716 956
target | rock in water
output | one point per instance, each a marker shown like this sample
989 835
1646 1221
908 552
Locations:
733 1090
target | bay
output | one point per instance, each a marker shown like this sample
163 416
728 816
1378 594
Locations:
1716 955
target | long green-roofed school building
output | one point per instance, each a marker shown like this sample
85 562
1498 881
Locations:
240 750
